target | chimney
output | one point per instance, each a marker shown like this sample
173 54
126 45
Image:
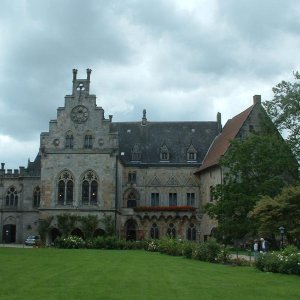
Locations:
257 99
2 166
219 121
74 74
88 71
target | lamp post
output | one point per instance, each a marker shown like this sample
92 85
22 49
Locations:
281 229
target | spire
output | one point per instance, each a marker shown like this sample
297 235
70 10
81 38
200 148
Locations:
144 119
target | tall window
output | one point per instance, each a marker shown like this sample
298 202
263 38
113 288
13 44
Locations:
12 197
171 232
69 141
154 231
89 189
88 141
132 177
191 232
65 189
172 199
190 199
154 199
36 197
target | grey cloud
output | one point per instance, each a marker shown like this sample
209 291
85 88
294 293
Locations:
258 20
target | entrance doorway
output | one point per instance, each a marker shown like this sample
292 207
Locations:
9 233
131 230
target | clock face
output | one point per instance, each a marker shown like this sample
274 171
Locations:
79 114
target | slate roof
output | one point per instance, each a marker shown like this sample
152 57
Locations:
222 141
177 136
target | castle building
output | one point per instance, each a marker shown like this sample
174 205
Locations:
151 178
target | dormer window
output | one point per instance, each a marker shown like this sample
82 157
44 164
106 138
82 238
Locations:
191 156
164 153
191 153
69 141
88 141
136 153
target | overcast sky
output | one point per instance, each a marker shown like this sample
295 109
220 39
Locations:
180 60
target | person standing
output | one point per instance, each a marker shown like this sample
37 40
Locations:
255 249
264 245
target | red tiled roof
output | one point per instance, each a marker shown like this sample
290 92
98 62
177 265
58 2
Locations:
222 141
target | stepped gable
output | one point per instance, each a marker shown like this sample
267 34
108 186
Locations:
34 167
177 136
222 141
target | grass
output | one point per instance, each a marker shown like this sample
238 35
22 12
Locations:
112 274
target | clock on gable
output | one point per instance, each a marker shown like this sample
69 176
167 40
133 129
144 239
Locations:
79 114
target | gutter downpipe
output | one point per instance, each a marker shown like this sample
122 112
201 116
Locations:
116 195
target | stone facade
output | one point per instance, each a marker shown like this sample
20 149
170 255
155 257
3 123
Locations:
145 175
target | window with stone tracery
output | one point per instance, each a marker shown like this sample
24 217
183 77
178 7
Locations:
69 141
131 199
89 189
88 141
36 197
191 232
12 197
65 188
154 231
171 232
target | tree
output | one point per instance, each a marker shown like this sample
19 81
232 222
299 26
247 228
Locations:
43 227
108 223
89 225
256 166
282 210
284 110
66 223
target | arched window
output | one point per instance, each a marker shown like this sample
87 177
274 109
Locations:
154 231
191 232
36 197
131 228
65 188
89 189
171 232
69 141
131 199
88 141
12 197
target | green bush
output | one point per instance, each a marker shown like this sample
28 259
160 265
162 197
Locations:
170 246
286 261
188 248
208 251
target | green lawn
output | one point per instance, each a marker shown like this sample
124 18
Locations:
112 274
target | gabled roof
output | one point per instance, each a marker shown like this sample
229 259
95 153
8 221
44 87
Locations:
176 136
222 141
